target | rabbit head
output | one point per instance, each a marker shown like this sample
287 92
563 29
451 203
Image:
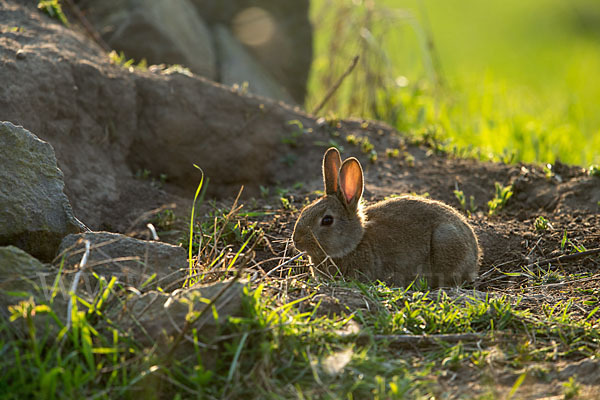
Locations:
333 225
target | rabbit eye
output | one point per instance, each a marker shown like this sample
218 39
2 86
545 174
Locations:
327 220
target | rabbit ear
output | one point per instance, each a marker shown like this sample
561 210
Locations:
351 182
331 168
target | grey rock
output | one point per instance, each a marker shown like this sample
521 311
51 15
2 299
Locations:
20 272
132 261
278 34
170 32
237 66
35 214
159 317
106 123
586 371
23 277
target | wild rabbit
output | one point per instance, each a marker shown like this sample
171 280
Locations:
395 241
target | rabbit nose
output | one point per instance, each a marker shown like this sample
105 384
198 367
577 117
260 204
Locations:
298 243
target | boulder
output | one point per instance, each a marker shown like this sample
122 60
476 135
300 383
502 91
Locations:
150 317
20 274
108 123
35 213
237 66
159 317
277 34
160 31
276 38
24 278
132 261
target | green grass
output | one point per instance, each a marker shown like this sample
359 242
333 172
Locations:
291 342
275 350
510 78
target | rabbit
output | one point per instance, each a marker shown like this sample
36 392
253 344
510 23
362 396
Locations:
395 241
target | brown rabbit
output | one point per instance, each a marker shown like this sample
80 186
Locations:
395 241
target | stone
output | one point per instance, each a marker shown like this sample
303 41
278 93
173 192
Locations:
20 272
132 261
169 32
23 277
162 316
237 66
35 213
107 123
278 34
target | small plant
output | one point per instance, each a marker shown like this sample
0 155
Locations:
54 9
264 191
409 158
571 388
142 174
392 153
364 143
285 203
352 139
503 193
366 146
121 60
548 172
164 220
241 88
462 200
329 143
291 138
373 156
541 224
594 170
563 241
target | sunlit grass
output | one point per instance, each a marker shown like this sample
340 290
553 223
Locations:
506 77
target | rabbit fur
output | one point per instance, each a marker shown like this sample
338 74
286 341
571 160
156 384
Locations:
395 241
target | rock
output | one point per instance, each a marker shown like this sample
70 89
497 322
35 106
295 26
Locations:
237 66
23 277
34 210
159 317
278 35
161 32
20 272
150 318
132 261
106 123
586 371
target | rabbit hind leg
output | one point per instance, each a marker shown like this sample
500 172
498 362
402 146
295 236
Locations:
454 256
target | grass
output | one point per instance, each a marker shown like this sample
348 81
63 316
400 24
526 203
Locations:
300 337
511 79
277 350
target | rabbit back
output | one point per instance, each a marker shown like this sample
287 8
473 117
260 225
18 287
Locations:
409 237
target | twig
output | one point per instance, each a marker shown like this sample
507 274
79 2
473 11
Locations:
285 263
569 257
336 85
87 26
415 340
82 266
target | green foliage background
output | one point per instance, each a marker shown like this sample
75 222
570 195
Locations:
518 80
